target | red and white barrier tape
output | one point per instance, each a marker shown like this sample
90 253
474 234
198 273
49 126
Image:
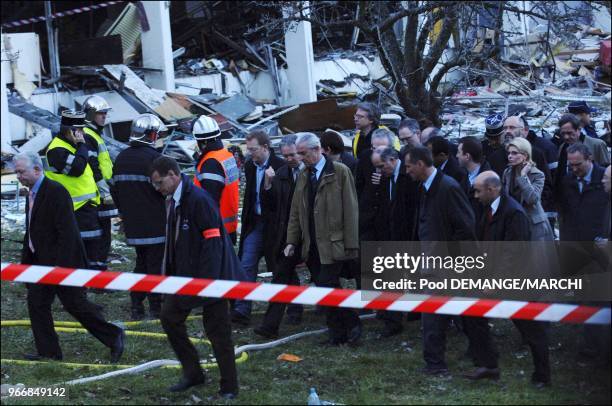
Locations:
308 295
66 13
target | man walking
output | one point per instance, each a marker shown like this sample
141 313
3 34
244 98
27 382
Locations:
324 221
52 239
197 246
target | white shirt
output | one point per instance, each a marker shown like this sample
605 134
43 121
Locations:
495 205
472 175
319 167
177 195
429 181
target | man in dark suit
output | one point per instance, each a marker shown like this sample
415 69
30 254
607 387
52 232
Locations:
52 238
197 246
394 219
333 148
471 159
444 215
443 158
505 220
253 241
276 198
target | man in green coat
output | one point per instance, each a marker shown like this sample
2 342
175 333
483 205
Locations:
324 220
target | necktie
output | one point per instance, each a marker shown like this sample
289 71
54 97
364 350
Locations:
171 230
31 204
488 221
313 180
580 184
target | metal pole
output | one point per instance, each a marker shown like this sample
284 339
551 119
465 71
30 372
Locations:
53 62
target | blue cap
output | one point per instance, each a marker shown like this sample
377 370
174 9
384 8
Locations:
494 125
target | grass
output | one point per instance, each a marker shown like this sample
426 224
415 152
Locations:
378 371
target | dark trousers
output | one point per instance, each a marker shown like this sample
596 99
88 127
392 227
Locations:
536 335
105 240
434 340
339 320
284 273
91 234
216 321
40 298
149 260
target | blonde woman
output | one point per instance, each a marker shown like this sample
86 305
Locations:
524 182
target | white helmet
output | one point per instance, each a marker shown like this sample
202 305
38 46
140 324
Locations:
95 104
205 128
146 127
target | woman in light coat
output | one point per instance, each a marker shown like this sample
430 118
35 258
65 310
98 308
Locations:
524 182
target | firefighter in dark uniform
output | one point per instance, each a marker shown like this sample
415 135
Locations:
96 109
67 163
141 207
197 246
217 172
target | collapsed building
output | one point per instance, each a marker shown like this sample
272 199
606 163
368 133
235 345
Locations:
249 70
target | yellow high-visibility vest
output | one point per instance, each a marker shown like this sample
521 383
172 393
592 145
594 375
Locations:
104 159
396 142
81 188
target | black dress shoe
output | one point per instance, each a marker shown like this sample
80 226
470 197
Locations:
431 370
227 395
264 332
240 318
117 348
482 373
186 383
38 357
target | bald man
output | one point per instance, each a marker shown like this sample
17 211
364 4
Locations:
505 219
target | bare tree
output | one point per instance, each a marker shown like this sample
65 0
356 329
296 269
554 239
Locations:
438 36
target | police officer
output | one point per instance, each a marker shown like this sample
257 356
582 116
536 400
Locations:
96 109
141 206
217 172
67 160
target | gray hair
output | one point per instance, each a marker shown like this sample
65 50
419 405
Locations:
288 140
32 158
310 139
387 153
383 133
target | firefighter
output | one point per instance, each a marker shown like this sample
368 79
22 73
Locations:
217 171
141 207
96 109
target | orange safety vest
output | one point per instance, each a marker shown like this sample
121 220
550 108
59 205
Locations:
228 205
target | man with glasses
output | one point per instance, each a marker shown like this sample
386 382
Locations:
323 221
255 219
